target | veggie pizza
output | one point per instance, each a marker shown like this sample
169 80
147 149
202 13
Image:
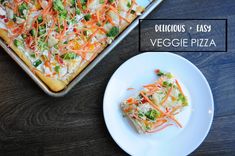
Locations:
57 39
155 107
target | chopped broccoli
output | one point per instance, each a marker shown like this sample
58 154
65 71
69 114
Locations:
40 19
57 69
22 7
182 99
83 2
63 14
18 43
152 114
33 32
159 72
73 2
37 63
132 11
113 32
58 6
24 36
140 114
77 11
87 17
41 30
167 84
129 4
33 55
84 7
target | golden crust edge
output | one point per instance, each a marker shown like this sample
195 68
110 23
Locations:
54 84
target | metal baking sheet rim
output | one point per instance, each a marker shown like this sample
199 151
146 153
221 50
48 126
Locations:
15 57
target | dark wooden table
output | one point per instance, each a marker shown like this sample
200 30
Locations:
32 123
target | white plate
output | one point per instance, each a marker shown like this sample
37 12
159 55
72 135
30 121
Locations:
196 118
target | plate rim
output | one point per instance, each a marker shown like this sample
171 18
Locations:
179 57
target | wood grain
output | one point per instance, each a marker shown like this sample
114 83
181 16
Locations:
31 123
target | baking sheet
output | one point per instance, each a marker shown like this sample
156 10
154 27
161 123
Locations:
148 4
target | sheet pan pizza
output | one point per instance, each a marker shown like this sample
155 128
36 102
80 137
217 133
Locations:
57 39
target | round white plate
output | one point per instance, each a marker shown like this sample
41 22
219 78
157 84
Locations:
196 118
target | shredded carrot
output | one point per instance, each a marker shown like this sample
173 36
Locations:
131 101
130 88
178 85
176 121
128 109
110 20
157 108
166 97
150 102
98 15
50 30
116 11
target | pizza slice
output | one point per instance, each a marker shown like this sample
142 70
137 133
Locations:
155 107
